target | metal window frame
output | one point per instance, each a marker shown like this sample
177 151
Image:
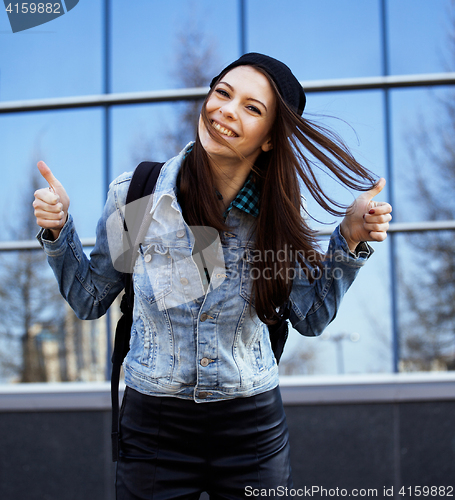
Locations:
128 98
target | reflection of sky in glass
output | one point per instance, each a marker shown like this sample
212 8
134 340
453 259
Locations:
70 142
318 40
321 39
419 124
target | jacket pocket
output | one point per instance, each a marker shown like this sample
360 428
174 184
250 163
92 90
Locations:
153 272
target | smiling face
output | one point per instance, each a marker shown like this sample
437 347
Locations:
241 109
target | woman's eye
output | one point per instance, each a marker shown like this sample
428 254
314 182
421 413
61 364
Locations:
222 92
254 109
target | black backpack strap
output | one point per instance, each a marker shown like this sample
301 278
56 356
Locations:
121 347
142 184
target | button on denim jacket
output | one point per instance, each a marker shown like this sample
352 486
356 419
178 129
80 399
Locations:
188 341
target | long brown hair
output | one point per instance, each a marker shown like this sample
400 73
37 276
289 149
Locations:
299 148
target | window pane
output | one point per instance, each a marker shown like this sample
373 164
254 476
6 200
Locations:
318 40
70 142
56 59
41 340
152 132
423 154
427 301
419 35
147 39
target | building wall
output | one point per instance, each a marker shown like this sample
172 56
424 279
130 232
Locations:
381 432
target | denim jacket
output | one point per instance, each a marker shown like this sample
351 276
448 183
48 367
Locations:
187 340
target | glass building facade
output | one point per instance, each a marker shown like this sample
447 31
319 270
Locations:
107 85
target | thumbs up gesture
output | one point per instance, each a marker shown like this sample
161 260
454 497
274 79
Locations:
51 203
365 219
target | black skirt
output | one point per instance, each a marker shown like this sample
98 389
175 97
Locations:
173 448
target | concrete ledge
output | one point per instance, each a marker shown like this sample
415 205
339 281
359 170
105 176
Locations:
55 396
374 388
378 388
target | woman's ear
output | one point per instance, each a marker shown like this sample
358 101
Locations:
267 146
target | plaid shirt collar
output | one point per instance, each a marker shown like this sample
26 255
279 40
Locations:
247 198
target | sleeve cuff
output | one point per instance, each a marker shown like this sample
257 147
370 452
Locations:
44 236
363 250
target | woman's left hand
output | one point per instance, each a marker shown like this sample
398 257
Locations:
365 219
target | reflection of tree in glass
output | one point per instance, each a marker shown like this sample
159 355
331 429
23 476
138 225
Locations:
194 65
428 323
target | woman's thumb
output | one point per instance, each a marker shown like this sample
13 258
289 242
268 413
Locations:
377 188
46 172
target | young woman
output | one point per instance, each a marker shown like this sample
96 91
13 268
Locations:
202 409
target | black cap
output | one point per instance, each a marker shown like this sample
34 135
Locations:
290 89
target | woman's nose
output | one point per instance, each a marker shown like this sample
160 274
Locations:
229 110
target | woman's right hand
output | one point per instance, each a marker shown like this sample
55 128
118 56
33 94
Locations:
51 204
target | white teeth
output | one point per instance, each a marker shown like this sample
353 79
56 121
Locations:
223 130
